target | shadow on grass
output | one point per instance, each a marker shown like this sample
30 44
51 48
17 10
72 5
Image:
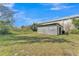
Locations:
40 39
12 39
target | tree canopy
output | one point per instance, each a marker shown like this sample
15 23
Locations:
34 27
6 19
76 23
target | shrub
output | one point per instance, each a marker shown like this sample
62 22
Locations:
4 31
74 31
34 27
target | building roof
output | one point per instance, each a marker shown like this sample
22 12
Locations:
40 25
60 19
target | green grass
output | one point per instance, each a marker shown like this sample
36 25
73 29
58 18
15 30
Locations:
35 44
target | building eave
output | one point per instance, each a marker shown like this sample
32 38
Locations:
40 25
59 19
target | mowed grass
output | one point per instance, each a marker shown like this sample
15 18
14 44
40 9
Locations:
34 44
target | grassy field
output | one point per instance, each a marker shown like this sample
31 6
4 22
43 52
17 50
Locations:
34 44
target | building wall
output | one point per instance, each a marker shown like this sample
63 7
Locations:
51 29
67 24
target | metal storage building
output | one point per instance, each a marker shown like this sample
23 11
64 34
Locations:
52 29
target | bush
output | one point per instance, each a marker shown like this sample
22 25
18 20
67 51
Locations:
34 27
4 31
74 31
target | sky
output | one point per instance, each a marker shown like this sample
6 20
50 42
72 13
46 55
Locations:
28 13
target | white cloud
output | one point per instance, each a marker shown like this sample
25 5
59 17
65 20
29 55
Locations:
57 6
60 6
19 15
22 19
10 5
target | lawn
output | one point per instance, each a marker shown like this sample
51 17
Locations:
34 44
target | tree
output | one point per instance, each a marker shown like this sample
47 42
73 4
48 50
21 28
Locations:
76 23
6 21
34 27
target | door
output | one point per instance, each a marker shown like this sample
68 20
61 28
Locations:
60 30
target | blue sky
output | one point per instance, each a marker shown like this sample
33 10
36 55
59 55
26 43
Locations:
27 13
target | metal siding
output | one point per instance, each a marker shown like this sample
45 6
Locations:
48 29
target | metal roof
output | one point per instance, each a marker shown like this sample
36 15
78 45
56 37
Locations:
60 19
48 24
